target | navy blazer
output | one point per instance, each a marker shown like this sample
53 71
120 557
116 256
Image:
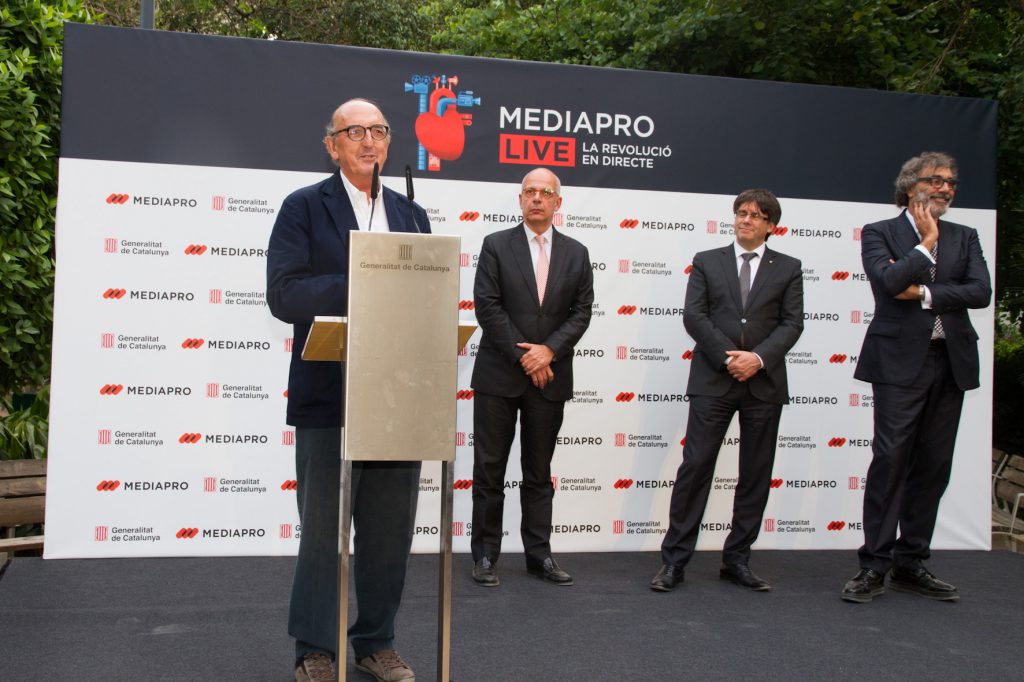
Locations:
769 325
896 342
508 311
307 275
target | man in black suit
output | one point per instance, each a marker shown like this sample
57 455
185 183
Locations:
533 294
920 354
745 309
307 275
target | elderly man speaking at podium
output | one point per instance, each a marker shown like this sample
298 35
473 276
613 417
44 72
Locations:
307 275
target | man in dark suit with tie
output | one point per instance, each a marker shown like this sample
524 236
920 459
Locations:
533 294
920 354
744 308
307 275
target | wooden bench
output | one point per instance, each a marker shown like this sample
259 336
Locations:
22 501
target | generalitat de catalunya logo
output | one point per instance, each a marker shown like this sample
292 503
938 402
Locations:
440 126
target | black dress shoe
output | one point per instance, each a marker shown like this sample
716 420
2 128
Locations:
920 581
668 577
864 586
549 570
743 576
485 573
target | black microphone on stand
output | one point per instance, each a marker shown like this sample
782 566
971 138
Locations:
409 195
374 191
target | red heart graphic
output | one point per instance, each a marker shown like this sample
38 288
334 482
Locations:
443 136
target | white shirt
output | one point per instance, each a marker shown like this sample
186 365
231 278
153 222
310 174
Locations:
754 262
361 207
927 302
535 247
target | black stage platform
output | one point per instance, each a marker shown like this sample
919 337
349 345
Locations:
224 619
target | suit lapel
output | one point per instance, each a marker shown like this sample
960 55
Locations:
398 220
559 260
947 252
906 234
336 201
521 252
730 275
765 270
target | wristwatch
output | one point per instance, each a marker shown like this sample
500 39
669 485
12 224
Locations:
920 292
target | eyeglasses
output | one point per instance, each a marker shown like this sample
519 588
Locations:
937 181
547 192
740 215
356 133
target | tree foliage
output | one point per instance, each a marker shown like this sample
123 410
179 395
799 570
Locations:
31 33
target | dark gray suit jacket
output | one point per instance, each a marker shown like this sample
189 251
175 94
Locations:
507 309
769 326
896 343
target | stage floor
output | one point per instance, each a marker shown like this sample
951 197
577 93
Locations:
225 619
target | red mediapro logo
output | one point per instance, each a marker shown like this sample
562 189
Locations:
466 305
100 534
462 484
854 400
195 249
836 525
840 275
458 528
215 296
118 199
103 437
855 316
290 484
111 389
769 525
620 440
192 344
837 358
836 442
623 265
464 394
106 340
212 390
627 309
115 294
629 223
623 483
460 438
110 245
469 216
618 527
687 354
190 438
712 226
854 482
287 438
620 353
187 533
108 486
624 397
777 482
209 484
218 203
779 231
286 531
463 260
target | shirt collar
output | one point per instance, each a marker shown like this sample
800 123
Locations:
739 250
530 234
356 196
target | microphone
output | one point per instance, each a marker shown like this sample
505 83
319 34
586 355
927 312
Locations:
409 194
374 191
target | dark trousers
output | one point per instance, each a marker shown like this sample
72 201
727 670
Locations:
494 429
912 455
708 421
384 498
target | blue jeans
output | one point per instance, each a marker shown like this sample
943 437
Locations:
384 498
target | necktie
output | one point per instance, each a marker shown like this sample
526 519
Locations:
937 331
542 267
745 277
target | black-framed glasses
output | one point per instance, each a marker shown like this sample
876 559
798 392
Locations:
356 133
937 181
546 192
740 215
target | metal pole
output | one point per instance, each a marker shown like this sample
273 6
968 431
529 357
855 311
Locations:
344 532
444 591
146 14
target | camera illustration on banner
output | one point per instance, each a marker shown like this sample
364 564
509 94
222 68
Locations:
440 126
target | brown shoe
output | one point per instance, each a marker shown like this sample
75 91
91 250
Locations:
315 668
386 666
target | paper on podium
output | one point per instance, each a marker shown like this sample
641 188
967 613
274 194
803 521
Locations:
326 340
